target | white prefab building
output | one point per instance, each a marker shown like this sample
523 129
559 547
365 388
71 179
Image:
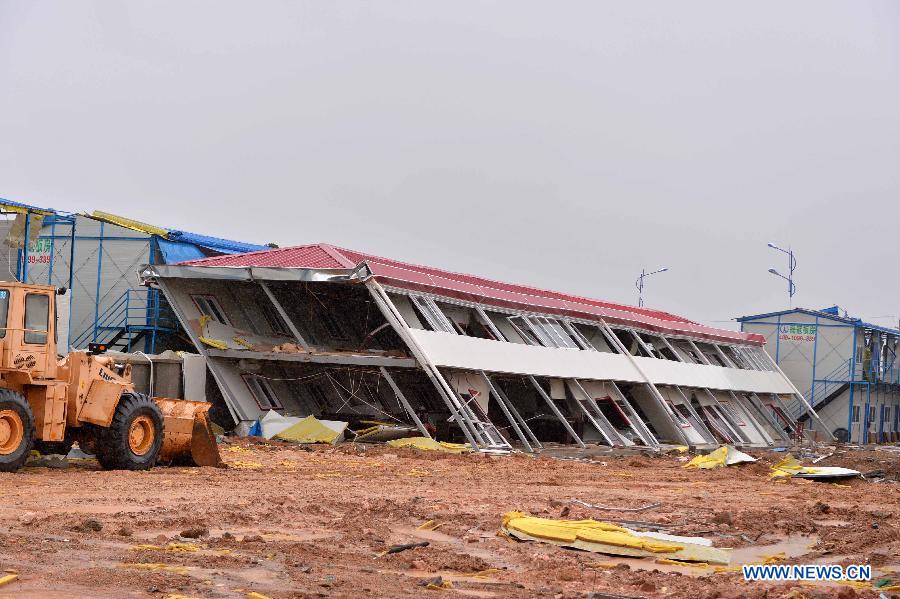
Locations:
847 368
335 333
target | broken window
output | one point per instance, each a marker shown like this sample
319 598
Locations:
274 319
332 326
429 312
681 414
37 316
209 306
262 392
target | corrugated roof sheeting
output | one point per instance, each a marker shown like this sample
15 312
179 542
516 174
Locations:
12 206
475 289
226 246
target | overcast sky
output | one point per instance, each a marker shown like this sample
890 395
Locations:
562 144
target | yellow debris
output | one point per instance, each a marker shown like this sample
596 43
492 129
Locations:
856 584
160 567
238 449
726 569
4 580
182 547
723 456
181 597
214 343
145 547
309 430
774 558
240 465
603 565
675 562
430 445
243 342
890 588
841 486
569 531
445 584
252 595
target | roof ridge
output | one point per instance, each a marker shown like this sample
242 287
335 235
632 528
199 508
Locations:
650 312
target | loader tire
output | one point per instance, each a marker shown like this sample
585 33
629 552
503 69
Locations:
134 437
16 430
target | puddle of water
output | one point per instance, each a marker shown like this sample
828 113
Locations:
792 546
838 523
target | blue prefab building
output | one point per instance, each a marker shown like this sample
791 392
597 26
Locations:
97 256
846 368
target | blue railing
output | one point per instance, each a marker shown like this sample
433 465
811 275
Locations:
135 312
823 387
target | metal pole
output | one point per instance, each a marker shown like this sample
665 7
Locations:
25 248
52 247
99 273
71 280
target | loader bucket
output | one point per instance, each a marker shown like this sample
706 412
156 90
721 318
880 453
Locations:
188 438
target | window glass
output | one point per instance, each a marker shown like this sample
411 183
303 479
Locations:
4 311
37 315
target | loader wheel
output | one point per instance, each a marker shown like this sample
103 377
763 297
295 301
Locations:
134 436
16 430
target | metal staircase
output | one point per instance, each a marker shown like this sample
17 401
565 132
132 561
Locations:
138 314
823 390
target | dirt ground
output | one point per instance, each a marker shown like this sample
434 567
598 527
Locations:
288 521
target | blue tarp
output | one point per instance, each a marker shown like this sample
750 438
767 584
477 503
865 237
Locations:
174 252
224 246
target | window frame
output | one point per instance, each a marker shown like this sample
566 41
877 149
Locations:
254 382
213 302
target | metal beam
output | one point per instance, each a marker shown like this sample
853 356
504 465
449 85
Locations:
284 316
402 399
556 411
507 413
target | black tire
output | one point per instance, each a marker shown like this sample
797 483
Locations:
114 448
17 413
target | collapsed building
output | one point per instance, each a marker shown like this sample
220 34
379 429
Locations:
335 333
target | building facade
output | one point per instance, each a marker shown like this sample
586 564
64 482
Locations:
847 369
335 333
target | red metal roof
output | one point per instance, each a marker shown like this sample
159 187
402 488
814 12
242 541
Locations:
475 289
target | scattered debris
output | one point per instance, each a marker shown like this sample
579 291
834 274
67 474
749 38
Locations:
195 532
430 445
723 456
404 547
604 537
790 467
5 580
381 432
617 509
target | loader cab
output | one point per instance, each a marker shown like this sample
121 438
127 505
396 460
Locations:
28 329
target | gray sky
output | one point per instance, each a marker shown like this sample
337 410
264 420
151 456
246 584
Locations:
565 145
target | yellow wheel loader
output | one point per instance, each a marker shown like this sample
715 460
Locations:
48 404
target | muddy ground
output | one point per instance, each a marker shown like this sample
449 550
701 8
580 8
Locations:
286 521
